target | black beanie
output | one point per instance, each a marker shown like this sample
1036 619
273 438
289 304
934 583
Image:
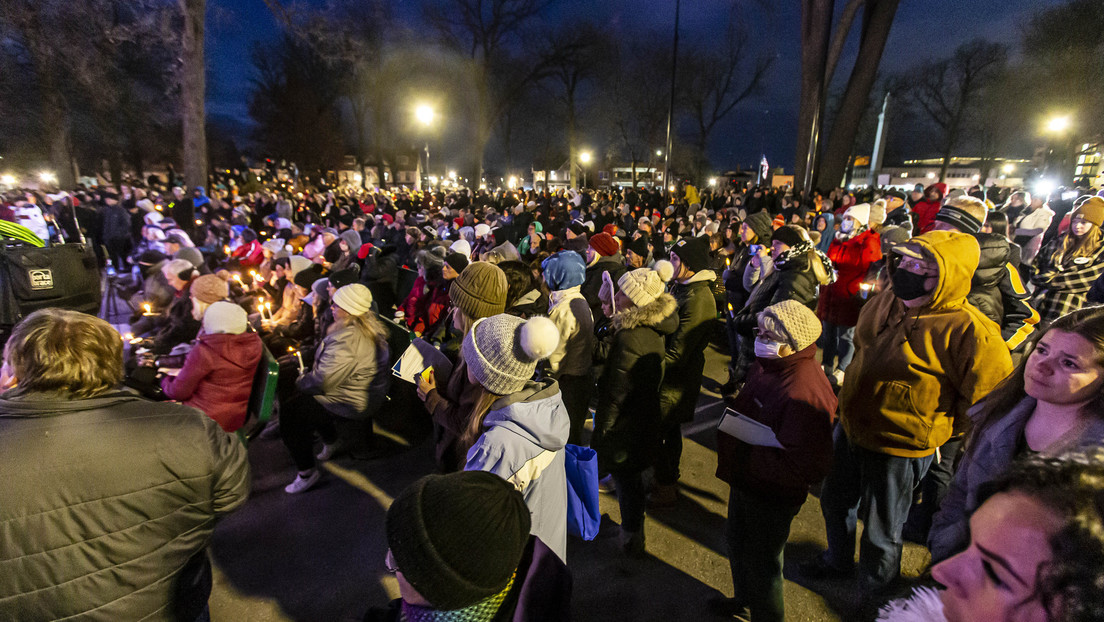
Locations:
694 253
458 538
789 235
306 277
638 246
760 223
456 261
348 276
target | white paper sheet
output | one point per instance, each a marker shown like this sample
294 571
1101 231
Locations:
748 430
418 356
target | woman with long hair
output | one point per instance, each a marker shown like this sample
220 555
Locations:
1066 269
1051 403
517 428
347 383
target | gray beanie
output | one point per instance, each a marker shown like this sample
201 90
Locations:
502 351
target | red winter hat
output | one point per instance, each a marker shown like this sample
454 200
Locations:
364 250
604 244
387 218
610 229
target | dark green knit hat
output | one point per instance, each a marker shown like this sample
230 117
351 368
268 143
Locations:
458 538
480 290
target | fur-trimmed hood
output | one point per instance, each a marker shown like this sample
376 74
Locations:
659 314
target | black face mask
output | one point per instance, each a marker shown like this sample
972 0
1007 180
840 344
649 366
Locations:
908 285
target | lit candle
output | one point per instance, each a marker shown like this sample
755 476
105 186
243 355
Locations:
128 336
226 250
865 287
237 277
147 309
298 357
268 307
199 222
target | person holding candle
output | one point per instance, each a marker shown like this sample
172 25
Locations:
348 383
217 375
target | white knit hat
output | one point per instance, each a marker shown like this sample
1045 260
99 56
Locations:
482 229
462 247
502 351
298 263
794 321
224 318
644 285
354 299
860 212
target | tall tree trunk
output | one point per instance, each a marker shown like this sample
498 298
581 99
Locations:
877 22
816 28
57 131
194 92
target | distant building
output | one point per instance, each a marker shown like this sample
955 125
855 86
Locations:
963 172
405 171
1088 167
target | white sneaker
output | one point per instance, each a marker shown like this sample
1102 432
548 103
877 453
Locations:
327 452
303 483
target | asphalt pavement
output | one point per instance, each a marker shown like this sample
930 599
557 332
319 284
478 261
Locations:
319 556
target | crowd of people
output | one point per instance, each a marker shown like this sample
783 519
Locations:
933 361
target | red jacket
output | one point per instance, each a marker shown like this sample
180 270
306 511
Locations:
793 397
217 377
424 308
926 210
840 301
249 255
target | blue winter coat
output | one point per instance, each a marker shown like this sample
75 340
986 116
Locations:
523 443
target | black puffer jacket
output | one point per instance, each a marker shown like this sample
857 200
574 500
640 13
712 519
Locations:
685 356
997 291
107 505
615 265
792 280
626 420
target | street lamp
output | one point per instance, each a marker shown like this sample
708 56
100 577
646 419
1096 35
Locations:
47 177
1057 125
425 115
1008 168
584 157
7 180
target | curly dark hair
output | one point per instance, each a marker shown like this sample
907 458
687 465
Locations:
1070 585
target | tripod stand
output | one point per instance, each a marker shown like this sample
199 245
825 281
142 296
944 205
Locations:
112 294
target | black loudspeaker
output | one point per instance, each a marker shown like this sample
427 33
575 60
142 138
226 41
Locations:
64 276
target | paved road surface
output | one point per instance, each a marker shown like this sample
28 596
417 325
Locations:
319 555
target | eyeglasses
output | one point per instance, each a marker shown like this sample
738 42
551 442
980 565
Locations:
917 266
389 562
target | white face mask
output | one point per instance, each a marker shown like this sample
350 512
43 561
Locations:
766 349
847 225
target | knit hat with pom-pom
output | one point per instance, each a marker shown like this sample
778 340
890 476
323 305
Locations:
643 285
502 351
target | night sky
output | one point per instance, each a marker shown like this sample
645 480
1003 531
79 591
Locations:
923 29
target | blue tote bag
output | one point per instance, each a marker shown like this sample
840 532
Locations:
583 514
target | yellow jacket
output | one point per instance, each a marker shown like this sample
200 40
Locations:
916 369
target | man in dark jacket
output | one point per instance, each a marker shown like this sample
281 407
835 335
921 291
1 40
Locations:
996 289
109 500
897 212
603 254
684 360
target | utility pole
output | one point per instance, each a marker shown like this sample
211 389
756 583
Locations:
879 144
671 109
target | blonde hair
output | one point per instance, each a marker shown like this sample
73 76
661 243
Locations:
56 350
367 323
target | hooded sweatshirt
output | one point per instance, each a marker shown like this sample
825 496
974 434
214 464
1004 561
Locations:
917 369
217 377
523 442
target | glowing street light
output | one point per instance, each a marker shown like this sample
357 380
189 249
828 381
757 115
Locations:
47 177
712 181
584 157
7 180
1008 168
452 175
425 114
659 153
1057 125
512 183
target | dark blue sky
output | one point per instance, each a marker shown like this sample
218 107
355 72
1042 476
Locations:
923 29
